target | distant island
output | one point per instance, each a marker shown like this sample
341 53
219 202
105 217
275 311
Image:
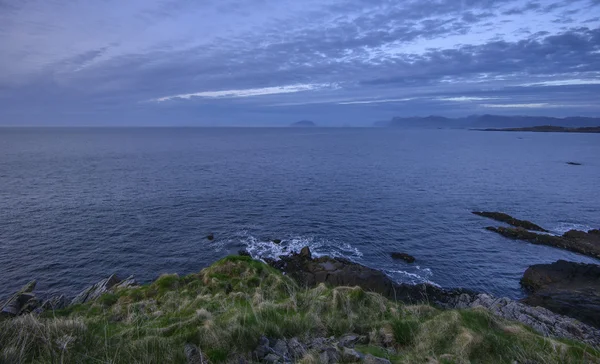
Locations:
550 129
491 121
303 124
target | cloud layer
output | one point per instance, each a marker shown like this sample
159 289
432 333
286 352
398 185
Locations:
268 62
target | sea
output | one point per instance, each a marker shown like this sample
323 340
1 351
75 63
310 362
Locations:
78 204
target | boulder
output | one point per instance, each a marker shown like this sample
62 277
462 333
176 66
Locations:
407 258
587 243
210 236
93 292
566 288
296 349
505 218
276 241
19 302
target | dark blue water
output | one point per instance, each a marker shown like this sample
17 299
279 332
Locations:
79 204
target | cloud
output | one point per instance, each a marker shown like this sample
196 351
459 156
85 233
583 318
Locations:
572 82
247 92
517 106
466 98
374 101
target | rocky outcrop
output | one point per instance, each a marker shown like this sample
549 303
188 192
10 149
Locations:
104 286
573 240
540 319
566 288
21 302
406 257
193 355
323 350
505 218
341 272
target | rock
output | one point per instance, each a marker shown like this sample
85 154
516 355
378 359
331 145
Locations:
262 350
350 355
349 340
342 272
57 302
305 253
370 359
296 349
566 288
194 355
19 301
281 348
538 318
573 240
243 253
95 291
502 217
210 236
276 241
407 258
127 283
329 355
574 163
272 358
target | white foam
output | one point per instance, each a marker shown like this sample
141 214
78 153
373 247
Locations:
563 227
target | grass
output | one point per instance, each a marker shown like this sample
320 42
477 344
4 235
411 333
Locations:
225 309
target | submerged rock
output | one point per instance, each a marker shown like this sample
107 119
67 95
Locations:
573 240
502 217
276 241
210 236
566 288
406 257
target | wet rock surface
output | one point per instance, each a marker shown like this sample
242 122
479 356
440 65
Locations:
587 243
342 272
406 257
505 218
566 288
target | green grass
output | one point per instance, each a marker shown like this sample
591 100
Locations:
225 309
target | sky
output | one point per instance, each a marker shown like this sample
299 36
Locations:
274 62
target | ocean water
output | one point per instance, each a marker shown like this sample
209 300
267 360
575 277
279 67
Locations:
77 204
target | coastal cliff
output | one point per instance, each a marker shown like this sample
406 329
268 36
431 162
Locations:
299 309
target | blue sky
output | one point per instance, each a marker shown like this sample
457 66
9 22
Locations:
272 62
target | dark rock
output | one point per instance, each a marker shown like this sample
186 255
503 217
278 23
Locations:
574 240
129 282
19 301
566 288
296 349
194 355
93 292
502 217
407 258
573 163
281 348
262 350
243 253
276 241
57 302
329 355
341 272
210 236
349 340
305 253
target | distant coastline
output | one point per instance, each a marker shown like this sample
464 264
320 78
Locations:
548 129
304 124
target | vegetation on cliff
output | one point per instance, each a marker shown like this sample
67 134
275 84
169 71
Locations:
226 309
